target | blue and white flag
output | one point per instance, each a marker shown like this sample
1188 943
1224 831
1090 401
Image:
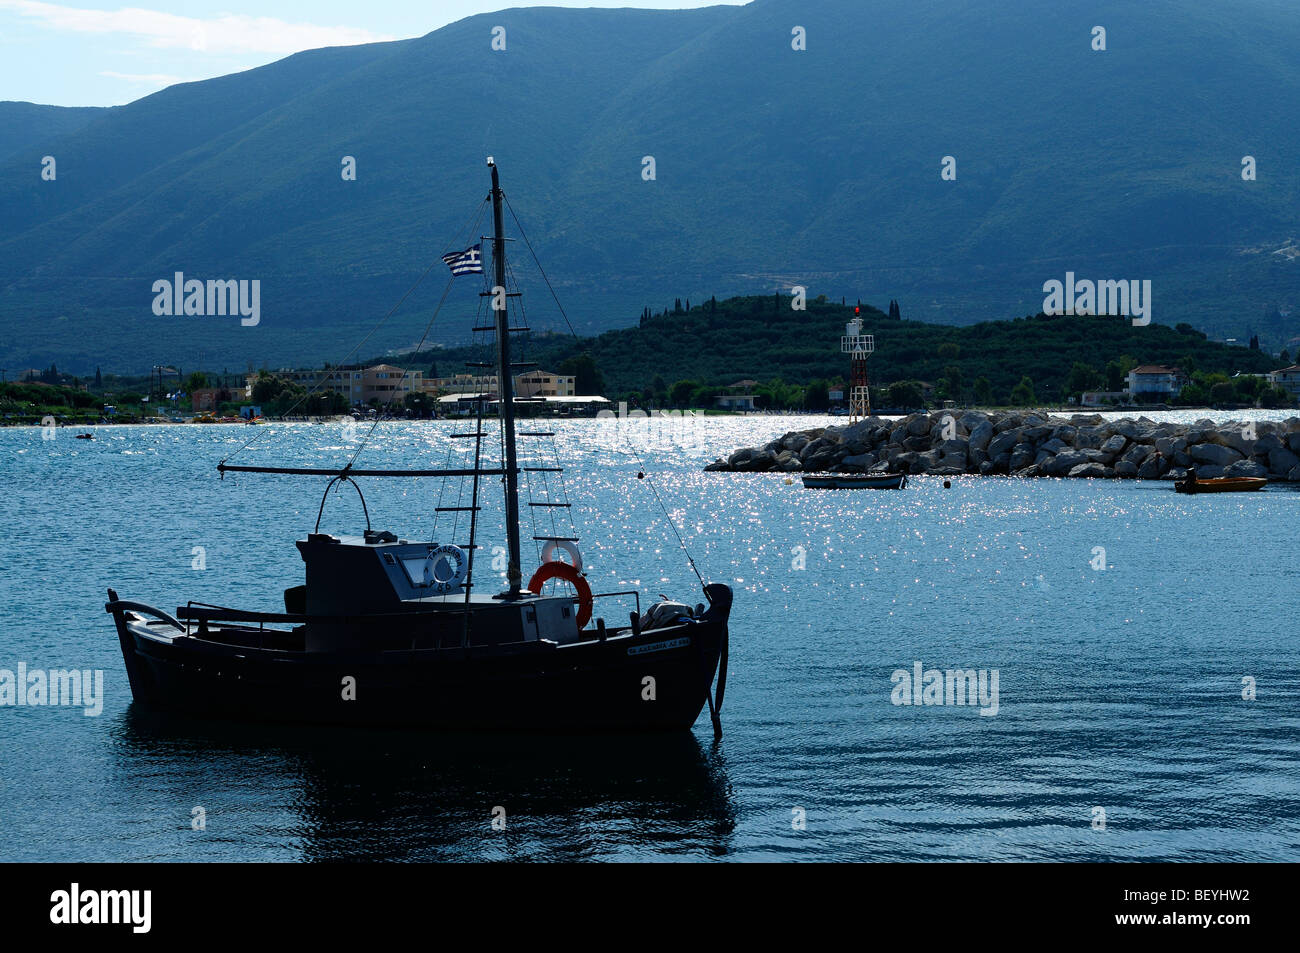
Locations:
467 262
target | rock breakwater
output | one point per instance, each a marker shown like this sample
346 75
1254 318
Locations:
1032 444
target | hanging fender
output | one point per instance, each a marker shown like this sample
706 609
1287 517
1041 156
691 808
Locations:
575 557
557 570
452 556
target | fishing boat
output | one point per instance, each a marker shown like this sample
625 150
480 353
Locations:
1193 484
391 631
847 481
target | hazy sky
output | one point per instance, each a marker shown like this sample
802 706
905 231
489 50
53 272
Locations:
96 53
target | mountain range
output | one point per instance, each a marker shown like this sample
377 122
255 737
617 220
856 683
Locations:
773 167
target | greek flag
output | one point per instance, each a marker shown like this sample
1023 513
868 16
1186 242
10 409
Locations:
467 262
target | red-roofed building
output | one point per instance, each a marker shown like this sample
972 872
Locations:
1155 380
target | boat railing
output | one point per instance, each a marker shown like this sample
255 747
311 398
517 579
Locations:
624 592
203 613
200 612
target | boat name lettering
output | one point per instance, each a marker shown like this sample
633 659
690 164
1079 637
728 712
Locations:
659 646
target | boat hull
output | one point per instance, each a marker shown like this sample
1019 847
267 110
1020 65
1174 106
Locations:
656 680
1221 485
886 481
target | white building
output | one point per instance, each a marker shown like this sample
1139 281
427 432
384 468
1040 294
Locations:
1288 378
1155 380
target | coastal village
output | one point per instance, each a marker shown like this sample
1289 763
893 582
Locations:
394 391
1223 375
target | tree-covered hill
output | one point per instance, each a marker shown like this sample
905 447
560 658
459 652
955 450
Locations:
721 342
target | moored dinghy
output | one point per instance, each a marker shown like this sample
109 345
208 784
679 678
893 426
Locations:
850 481
387 631
1193 484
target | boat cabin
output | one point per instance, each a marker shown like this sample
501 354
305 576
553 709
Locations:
378 574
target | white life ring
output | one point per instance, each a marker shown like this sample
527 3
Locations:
454 557
575 557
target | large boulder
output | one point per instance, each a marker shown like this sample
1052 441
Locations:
1282 461
1215 454
1137 453
1152 467
1065 433
1246 468
1267 443
1170 445
858 461
1009 422
1114 446
1126 469
1001 444
794 441
925 462
818 462
981 435
1064 462
1091 470
919 425
816 448
1237 438
1089 438
1022 455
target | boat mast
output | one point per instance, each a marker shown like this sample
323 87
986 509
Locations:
505 390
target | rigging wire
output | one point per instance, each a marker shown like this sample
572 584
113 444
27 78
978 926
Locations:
470 225
640 461
524 235
405 371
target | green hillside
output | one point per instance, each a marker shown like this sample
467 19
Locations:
716 344
25 128
774 167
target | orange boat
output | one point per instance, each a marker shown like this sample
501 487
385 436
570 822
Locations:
1219 484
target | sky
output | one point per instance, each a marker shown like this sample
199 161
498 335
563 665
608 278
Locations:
96 53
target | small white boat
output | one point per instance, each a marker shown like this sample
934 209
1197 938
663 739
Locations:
849 481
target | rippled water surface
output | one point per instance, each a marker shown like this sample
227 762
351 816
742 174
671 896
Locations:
1118 688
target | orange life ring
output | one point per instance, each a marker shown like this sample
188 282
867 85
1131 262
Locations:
558 570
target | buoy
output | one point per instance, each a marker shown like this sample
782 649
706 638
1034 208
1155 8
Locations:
556 570
562 545
451 557
789 482
947 484
640 474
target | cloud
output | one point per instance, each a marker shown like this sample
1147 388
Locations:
222 34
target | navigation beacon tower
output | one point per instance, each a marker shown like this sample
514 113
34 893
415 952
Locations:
859 345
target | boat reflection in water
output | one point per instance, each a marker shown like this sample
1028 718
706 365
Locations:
303 792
